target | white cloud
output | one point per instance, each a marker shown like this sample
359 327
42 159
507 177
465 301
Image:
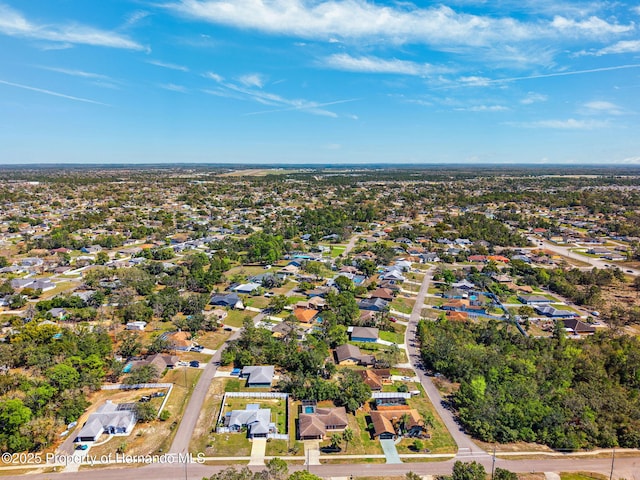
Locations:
344 61
360 19
14 24
601 106
475 81
170 66
242 91
173 87
485 108
52 93
77 73
213 76
252 80
569 124
533 97
593 26
135 18
624 46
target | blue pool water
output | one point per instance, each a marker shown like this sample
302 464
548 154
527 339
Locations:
309 409
127 368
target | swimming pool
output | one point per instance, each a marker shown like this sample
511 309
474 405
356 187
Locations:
127 368
309 409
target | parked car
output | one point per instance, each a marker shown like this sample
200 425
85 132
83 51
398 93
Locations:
228 329
82 447
194 363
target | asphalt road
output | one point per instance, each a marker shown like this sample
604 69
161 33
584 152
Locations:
566 251
464 442
627 468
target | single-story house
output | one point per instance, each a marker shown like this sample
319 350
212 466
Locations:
246 287
463 285
578 327
159 361
533 299
260 376
283 329
320 423
388 424
382 293
365 334
373 304
553 312
348 354
305 315
369 377
231 300
110 418
179 340
138 325
257 421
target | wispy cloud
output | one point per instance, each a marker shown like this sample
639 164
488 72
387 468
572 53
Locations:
569 124
623 46
243 92
344 61
252 80
134 18
533 97
484 108
213 76
170 66
483 81
77 73
50 92
172 87
593 26
14 24
602 107
401 23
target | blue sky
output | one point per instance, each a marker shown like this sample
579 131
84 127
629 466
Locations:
307 81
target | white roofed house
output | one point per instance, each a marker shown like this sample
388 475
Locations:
256 420
260 376
110 418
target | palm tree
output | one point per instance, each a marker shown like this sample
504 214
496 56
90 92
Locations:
336 440
404 423
347 436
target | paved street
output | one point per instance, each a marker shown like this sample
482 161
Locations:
466 446
625 467
594 262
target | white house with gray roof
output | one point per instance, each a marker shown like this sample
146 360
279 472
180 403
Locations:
258 375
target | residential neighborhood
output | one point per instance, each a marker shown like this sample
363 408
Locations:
201 311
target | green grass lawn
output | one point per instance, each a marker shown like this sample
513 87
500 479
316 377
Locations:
441 441
230 445
277 405
257 302
235 318
337 250
293 299
404 305
581 476
394 337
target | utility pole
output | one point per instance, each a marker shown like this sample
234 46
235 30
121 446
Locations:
613 457
493 463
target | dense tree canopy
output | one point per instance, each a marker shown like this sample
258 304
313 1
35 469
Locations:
562 393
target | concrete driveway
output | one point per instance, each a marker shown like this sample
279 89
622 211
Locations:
390 451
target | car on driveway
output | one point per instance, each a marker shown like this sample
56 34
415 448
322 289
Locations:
82 447
194 364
